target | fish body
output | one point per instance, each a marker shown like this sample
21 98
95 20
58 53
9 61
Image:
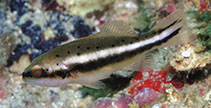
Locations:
116 47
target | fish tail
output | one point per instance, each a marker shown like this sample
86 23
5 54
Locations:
170 31
174 25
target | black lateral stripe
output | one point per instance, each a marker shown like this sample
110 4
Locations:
61 74
92 65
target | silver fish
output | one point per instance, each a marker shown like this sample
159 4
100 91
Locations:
116 47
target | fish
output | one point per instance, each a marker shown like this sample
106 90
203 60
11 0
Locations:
89 60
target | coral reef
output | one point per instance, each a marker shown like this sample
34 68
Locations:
180 77
82 7
187 59
36 40
6 48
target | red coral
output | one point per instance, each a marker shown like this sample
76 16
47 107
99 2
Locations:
204 6
154 80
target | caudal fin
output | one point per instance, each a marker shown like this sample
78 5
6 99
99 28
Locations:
174 24
170 31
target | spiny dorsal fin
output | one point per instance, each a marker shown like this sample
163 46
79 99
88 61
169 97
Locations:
117 28
113 28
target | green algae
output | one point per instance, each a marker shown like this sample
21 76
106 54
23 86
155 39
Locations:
203 21
106 92
144 18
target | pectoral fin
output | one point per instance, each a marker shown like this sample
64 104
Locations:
142 63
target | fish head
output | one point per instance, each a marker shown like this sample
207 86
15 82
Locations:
37 75
41 72
34 72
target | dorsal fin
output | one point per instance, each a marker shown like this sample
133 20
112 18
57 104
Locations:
117 28
113 28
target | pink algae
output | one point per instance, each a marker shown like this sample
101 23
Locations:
2 94
102 103
145 96
123 101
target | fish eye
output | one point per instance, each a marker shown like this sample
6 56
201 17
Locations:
37 72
